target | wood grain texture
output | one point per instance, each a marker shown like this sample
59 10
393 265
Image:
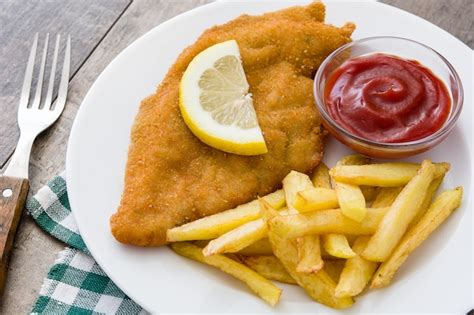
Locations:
86 21
13 193
49 150
454 16
34 250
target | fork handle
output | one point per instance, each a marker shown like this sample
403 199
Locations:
13 192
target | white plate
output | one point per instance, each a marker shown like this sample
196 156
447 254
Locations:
437 278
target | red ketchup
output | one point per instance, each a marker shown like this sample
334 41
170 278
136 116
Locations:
387 99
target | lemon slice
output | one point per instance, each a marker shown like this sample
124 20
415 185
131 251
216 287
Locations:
216 104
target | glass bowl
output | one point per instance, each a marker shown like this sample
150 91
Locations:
404 48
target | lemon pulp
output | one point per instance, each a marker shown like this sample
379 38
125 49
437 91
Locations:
216 104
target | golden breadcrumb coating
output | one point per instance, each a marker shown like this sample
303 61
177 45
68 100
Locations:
172 177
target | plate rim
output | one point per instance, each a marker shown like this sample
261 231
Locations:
80 113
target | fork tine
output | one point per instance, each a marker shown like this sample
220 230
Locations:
63 85
39 84
25 90
49 94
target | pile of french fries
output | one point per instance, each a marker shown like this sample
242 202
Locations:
333 234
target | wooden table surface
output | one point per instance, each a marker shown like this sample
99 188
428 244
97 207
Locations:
100 30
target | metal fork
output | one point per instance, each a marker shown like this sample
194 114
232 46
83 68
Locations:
32 120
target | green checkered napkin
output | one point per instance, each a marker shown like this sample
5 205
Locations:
75 284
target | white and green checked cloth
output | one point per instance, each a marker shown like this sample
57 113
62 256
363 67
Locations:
75 284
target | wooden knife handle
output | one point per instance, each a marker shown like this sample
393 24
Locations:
13 192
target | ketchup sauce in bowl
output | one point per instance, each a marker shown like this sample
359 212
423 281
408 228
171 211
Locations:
388 97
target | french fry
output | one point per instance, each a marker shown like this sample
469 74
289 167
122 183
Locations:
353 205
353 159
357 271
401 213
215 225
201 243
385 211
334 268
319 286
369 192
440 209
237 239
351 238
383 175
320 177
432 188
386 196
316 199
309 262
326 256
350 197
325 222
257 283
261 247
322 180
351 201
337 245
269 267
309 254
294 183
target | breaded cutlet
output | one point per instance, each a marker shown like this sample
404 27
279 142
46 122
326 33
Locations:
172 177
